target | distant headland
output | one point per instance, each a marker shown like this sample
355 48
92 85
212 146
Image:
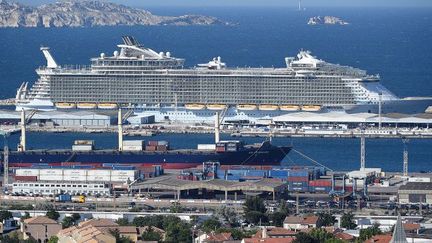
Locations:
85 13
329 20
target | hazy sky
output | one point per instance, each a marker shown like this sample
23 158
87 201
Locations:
306 3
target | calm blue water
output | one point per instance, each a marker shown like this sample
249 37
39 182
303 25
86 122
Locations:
393 42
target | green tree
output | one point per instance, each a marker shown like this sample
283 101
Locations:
123 222
176 208
283 207
254 204
178 232
236 233
52 214
278 218
320 235
76 216
304 238
211 224
5 215
229 215
67 222
256 217
347 221
325 219
368 233
53 239
151 235
335 240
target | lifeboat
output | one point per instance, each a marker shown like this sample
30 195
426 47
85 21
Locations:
86 105
289 107
246 107
195 106
216 106
311 108
107 106
268 107
63 105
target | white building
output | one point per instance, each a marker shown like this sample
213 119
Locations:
52 188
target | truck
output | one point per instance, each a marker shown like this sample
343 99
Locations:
69 198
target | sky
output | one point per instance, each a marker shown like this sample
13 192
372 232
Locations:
263 3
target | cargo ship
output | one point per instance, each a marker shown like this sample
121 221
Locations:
224 152
157 83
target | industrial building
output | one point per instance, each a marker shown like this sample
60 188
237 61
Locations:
66 119
57 187
415 192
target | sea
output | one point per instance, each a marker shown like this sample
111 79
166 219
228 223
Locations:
393 42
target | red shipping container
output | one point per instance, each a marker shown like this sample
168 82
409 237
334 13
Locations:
320 183
220 149
151 148
153 143
298 178
162 148
26 178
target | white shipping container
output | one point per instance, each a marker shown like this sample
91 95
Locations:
75 172
132 147
74 178
51 172
123 172
82 147
419 179
27 172
122 178
133 143
98 173
99 178
206 146
50 178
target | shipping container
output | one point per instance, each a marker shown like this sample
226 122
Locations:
320 183
151 147
26 178
83 142
298 173
82 147
206 146
162 148
91 173
298 178
132 148
51 172
75 172
75 178
133 143
152 143
220 149
27 172
99 178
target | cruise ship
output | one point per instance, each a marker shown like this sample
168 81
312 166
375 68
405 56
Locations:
156 83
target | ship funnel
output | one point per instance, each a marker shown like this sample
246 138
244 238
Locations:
217 134
120 130
51 63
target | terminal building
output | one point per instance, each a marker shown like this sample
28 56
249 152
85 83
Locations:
415 192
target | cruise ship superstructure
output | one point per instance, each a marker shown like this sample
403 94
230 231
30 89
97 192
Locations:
158 84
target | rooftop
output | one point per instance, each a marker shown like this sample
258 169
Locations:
40 220
417 186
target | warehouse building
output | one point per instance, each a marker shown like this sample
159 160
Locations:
53 188
66 119
415 192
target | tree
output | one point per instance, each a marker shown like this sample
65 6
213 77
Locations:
320 235
176 208
211 224
151 235
236 233
347 221
367 233
325 219
53 239
123 222
5 215
256 217
52 214
304 238
229 215
67 222
283 207
315 236
254 204
76 216
277 218
178 232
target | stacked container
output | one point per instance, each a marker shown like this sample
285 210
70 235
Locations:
133 145
320 186
298 180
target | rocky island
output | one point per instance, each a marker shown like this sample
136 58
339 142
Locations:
330 20
84 13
